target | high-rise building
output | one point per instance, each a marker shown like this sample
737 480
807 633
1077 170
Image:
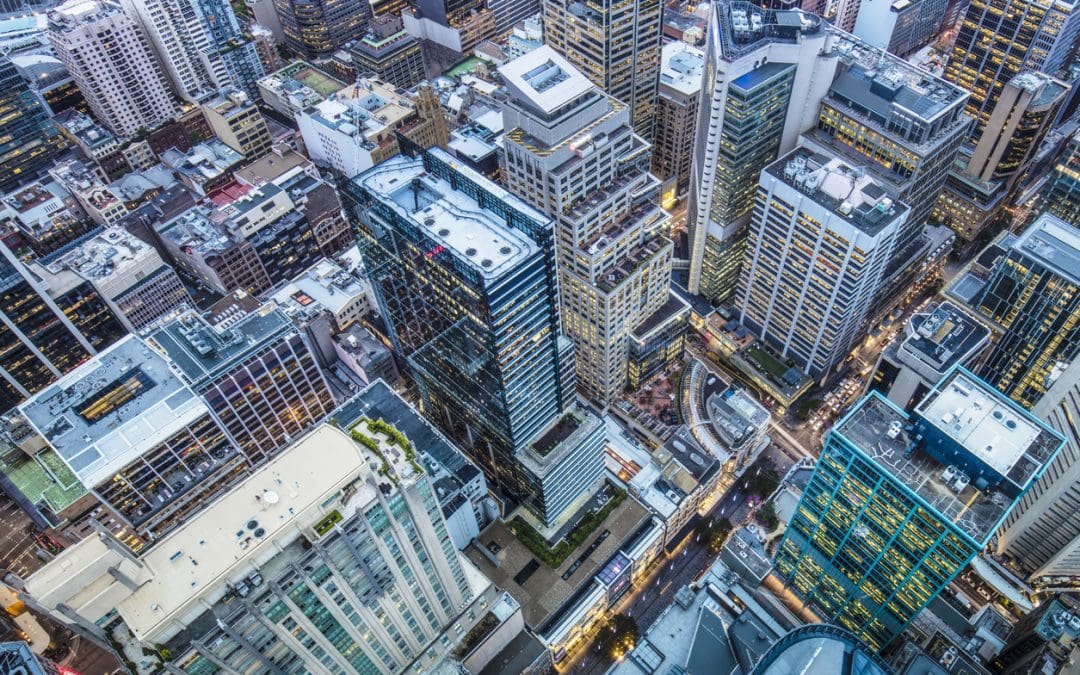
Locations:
235 119
17 657
30 140
464 274
255 372
616 46
317 561
113 63
754 73
509 13
1061 196
570 151
989 51
899 26
1042 534
229 45
983 178
1031 298
681 70
390 52
1044 641
900 503
45 336
819 242
316 28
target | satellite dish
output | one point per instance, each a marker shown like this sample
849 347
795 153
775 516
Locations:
270 497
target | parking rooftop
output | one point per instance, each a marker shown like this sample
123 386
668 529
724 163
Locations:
885 435
475 235
111 409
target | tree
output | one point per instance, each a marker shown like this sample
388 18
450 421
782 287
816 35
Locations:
617 637
763 482
767 515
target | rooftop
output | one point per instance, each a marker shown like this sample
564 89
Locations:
271 166
324 285
111 409
988 425
199 351
1054 243
190 568
108 254
745 26
941 337
682 67
203 162
736 416
851 193
885 434
545 79
366 108
478 237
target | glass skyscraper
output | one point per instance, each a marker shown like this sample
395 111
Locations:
464 274
29 140
898 504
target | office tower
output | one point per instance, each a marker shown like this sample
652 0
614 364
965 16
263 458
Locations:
900 503
1043 641
182 45
932 342
509 13
132 433
235 119
989 51
1042 534
1061 196
45 336
464 274
819 242
616 46
983 178
681 70
296 567
569 150
46 216
388 51
905 126
30 140
899 27
1031 297
114 65
316 28
449 31
750 112
127 273
255 372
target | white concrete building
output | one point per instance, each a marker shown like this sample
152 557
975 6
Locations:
821 237
113 63
178 35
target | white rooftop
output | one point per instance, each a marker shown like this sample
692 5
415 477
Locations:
325 284
192 565
462 227
111 409
682 67
545 78
984 424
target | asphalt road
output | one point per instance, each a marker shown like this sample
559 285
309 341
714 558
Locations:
18 548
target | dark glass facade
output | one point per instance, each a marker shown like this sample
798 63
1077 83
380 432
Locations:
483 348
29 140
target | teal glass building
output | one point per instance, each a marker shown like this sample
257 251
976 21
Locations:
898 504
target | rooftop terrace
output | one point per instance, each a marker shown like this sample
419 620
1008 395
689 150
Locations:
111 409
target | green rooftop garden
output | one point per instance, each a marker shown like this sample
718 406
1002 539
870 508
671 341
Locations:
553 556
767 362
393 437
